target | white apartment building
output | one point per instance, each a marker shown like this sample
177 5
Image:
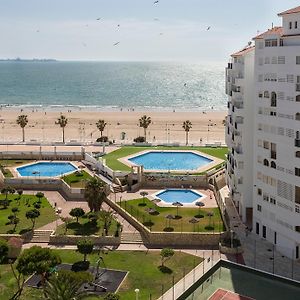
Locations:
240 91
275 136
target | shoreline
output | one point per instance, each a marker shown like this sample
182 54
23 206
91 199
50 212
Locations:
122 126
93 108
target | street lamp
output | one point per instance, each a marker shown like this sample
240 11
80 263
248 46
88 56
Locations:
137 294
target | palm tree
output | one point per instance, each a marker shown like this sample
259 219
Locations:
95 193
101 126
22 120
144 123
187 125
64 286
62 121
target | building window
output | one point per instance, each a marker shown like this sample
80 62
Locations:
298 98
266 94
297 154
297 116
290 25
259 192
273 99
296 24
273 200
297 60
266 145
297 172
258 207
266 162
271 43
264 233
273 164
257 228
297 194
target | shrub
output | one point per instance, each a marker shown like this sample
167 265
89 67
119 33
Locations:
3 250
102 139
85 247
112 296
139 139
80 266
77 212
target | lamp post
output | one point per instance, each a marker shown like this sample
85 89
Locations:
231 238
137 294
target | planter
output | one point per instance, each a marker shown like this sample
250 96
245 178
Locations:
228 250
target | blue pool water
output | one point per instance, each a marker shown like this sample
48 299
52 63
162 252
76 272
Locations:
46 169
170 160
182 196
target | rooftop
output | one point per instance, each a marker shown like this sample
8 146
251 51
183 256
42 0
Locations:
275 30
243 51
290 11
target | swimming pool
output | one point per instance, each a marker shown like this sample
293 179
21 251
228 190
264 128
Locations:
46 169
170 160
184 196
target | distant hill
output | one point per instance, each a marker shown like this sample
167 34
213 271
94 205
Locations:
18 59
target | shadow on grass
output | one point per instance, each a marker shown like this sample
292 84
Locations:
148 223
209 227
168 229
87 228
199 216
178 217
142 204
25 230
165 270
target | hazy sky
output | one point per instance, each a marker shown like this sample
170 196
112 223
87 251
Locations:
169 30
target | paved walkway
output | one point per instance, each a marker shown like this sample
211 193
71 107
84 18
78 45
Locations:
258 253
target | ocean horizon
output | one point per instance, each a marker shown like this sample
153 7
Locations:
112 86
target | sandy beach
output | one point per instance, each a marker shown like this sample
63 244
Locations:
166 127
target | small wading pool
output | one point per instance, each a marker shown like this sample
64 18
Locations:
168 160
46 169
176 195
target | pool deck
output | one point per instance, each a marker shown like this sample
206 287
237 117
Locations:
214 161
208 199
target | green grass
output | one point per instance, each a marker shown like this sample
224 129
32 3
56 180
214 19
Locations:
160 223
47 213
77 179
84 227
6 172
14 162
144 275
113 162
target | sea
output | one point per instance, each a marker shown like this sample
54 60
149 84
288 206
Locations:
108 86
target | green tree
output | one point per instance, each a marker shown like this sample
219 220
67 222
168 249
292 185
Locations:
66 284
62 121
77 212
22 121
85 247
187 125
33 260
106 216
39 195
101 124
111 296
144 123
95 193
33 215
166 254
6 191
3 250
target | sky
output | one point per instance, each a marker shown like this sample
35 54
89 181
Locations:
170 30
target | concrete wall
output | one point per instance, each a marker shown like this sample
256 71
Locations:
73 239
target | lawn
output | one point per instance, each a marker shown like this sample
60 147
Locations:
144 275
113 162
14 162
25 204
77 179
159 222
85 227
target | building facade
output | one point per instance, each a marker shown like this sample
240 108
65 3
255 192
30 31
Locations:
276 135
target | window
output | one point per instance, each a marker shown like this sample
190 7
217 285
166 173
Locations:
266 198
266 144
297 60
296 24
298 98
273 200
273 99
273 164
266 162
297 154
257 228
266 94
264 234
297 228
290 25
297 116
271 43
260 95
259 191
297 172
258 207
297 194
